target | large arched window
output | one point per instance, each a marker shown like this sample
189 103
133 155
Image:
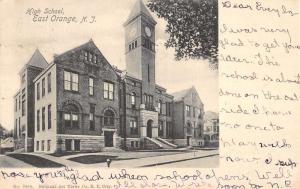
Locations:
109 118
71 116
132 99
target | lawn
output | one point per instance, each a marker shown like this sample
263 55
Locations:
35 160
91 159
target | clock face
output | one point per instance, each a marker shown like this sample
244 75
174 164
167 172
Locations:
148 31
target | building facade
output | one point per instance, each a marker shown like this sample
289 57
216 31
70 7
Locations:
24 101
83 103
211 129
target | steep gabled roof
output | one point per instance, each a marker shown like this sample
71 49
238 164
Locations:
179 95
37 60
89 44
138 9
209 115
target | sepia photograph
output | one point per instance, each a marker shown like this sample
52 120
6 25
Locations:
123 83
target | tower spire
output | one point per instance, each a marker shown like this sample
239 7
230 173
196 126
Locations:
139 8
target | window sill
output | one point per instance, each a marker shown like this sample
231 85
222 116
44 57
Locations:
70 91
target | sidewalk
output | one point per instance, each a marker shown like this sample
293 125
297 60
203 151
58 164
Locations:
133 163
9 162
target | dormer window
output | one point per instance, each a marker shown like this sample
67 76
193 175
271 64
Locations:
85 55
90 57
95 59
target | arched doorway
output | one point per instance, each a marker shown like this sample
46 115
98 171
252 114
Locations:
149 128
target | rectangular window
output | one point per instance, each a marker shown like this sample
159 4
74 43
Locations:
49 116
133 126
23 107
132 144
16 128
19 127
70 81
71 120
188 110
68 144
43 145
135 44
48 145
38 91
43 87
77 145
75 121
85 55
19 102
37 145
92 117
194 112
108 91
91 86
49 82
160 128
148 99
38 120
90 57
136 144
16 104
67 118
43 118
95 59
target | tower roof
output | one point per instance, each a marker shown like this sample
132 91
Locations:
37 60
138 9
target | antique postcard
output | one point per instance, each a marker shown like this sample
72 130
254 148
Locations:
149 94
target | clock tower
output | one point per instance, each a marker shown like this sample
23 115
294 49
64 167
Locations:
140 46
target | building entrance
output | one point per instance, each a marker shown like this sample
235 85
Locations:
149 128
108 138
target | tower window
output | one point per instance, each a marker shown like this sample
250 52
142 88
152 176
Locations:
133 45
133 99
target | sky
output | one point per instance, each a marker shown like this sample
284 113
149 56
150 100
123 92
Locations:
20 36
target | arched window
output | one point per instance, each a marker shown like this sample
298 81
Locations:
71 116
109 118
132 99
